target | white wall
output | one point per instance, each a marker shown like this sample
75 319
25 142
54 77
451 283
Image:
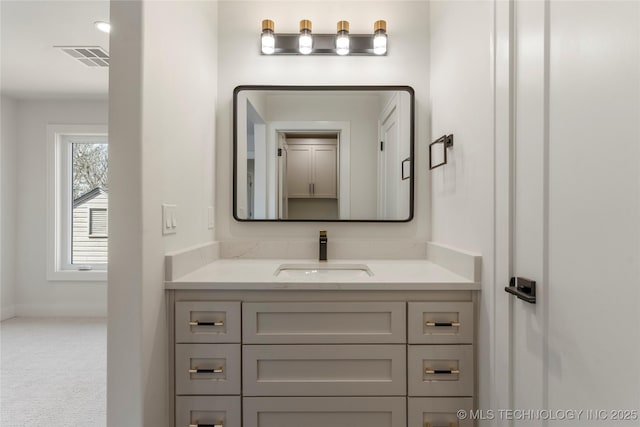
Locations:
34 294
461 103
8 208
163 83
240 63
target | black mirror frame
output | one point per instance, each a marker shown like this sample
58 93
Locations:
411 157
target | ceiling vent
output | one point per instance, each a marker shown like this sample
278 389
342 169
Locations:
91 56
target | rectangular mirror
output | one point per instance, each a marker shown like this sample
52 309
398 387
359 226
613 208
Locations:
323 153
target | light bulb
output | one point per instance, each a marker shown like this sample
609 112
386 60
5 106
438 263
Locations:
305 42
268 44
342 39
342 45
380 37
268 39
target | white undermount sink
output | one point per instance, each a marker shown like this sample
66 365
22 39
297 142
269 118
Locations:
323 271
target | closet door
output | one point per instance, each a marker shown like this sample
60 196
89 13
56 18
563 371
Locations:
324 174
299 171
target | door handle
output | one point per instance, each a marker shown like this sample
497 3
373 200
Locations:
524 289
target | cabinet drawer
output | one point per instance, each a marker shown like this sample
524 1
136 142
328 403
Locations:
324 412
208 369
207 322
222 411
440 370
324 370
438 412
324 323
440 322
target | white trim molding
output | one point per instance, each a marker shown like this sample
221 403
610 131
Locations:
344 142
55 226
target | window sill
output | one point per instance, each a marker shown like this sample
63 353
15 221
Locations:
77 276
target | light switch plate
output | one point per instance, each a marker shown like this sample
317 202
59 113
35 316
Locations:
169 219
210 217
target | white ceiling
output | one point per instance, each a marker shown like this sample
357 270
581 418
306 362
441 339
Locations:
32 68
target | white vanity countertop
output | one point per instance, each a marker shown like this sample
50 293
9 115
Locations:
259 274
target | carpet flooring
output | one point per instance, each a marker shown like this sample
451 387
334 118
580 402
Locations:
53 372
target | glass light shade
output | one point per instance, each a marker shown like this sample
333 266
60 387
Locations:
380 43
342 44
268 42
305 44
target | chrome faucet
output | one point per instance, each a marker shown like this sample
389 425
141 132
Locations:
323 245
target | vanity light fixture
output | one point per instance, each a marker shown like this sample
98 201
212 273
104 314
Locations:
380 37
342 38
305 42
340 43
268 40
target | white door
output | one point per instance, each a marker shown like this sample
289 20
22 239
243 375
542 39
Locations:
299 171
575 216
324 159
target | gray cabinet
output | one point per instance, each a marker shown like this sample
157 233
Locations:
439 412
207 322
324 322
324 412
440 323
324 370
207 369
440 363
219 411
344 359
440 370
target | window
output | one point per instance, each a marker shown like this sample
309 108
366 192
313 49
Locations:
79 203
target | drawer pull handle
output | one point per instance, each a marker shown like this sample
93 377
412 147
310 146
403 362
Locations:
451 424
442 371
206 371
206 425
197 323
437 324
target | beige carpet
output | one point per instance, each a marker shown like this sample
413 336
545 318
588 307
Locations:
53 372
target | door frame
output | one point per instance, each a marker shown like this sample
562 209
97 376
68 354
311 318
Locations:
343 129
503 45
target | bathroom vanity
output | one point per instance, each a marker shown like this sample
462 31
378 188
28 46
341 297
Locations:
290 343
296 342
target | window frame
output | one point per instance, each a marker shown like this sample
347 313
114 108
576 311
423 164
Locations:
60 205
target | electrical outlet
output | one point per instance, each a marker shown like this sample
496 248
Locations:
210 218
169 219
